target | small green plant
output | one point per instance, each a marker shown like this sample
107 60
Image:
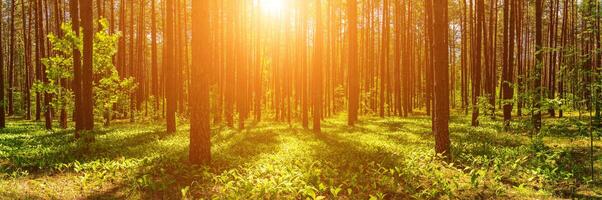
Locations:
108 88
59 68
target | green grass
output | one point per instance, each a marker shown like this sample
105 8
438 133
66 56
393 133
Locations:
389 158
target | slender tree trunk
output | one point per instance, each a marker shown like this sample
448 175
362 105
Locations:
168 66
230 66
129 70
11 60
397 59
476 67
38 74
507 88
536 115
242 72
140 70
384 58
258 69
317 70
26 21
2 98
42 52
353 80
428 52
304 68
154 62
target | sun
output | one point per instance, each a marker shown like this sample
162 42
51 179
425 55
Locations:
272 7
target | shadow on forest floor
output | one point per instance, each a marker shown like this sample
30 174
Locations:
378 157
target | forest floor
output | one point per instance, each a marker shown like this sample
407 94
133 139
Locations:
390 158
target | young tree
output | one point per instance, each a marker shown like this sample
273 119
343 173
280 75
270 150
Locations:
200 144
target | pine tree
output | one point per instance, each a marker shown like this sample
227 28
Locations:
200 145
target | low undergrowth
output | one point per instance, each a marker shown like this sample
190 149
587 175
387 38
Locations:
388 158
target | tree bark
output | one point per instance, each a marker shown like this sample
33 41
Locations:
536 115
87 111
77 79
317 70
170 69
441 79
353 79
2 98
200 144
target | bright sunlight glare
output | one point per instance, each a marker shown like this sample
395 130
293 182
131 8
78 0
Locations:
272 7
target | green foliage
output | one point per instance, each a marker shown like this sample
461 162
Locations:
59 68
109 88
387 158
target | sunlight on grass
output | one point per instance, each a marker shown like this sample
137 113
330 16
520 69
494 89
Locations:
386 158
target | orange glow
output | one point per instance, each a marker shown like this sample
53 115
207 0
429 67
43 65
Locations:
272 8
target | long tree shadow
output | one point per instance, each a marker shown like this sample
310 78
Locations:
348 158
231 150
41 152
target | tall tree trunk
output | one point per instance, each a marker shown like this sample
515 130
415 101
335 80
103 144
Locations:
230 66
242 72
476 67
154 62
168 66
2 98
77 79
200 144
38 63
536 115
304 68
87 114
555 7
507 79
383 58
317 70
140 70
26 21
258 82
129 70
429 56
353 79
441 79
42 52
11 60
398 41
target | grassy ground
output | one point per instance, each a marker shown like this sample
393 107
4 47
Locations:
387 158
